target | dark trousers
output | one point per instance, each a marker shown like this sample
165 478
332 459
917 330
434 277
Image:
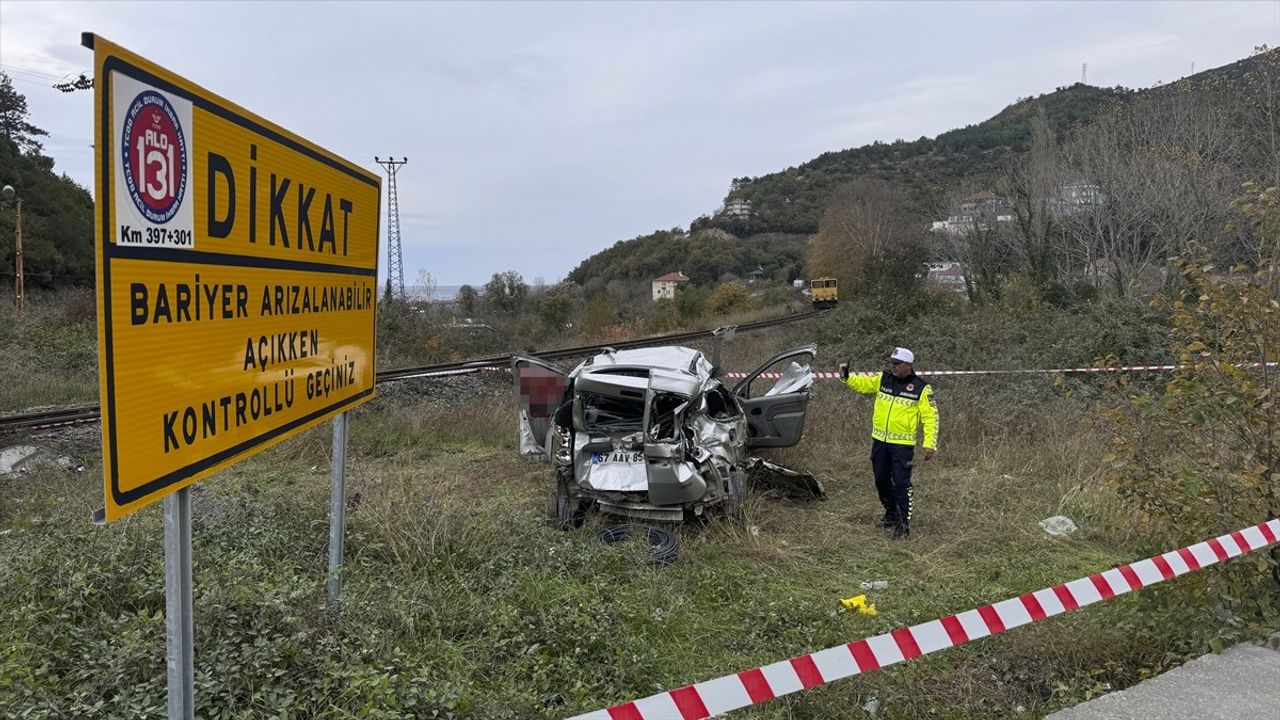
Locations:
891 465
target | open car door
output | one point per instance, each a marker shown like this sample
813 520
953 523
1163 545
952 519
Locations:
776 417
539 392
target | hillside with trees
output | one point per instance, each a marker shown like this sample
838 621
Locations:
793 200
57 214
1102 208
706 256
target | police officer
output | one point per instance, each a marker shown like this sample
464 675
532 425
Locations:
903 402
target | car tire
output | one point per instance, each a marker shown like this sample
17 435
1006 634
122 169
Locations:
664 544
570 512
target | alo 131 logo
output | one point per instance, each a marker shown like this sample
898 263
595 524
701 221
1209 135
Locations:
153 150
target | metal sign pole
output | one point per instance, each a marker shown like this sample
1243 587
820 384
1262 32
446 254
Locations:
718 336
180 655
337 507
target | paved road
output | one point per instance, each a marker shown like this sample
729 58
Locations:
1243 683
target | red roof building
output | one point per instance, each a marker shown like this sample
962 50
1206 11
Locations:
665 286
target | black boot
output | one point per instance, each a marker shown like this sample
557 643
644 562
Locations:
901 531
887 521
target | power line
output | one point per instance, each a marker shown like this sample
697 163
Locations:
67 82
395 261
39 74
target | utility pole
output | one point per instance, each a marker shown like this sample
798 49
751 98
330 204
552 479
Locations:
395 260
19 285
1084 73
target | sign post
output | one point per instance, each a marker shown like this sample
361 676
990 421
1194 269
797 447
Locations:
237 273
337 507
178 614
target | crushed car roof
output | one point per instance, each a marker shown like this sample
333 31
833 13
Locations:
671 357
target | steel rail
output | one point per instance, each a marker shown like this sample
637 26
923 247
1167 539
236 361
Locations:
58 417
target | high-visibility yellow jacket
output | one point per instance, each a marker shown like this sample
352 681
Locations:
902 405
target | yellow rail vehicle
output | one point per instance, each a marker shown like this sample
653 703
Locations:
823 292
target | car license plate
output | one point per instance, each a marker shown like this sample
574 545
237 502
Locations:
617 457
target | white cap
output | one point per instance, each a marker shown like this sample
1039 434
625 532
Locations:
903 355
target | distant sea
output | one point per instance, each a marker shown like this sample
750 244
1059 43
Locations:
441 292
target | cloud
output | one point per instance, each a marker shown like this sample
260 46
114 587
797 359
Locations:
539 133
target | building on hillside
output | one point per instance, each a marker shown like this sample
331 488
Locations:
982 203
1072 199
665 286
978 211
736 209
755 276
947 275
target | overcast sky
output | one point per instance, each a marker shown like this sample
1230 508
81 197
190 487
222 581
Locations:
540 133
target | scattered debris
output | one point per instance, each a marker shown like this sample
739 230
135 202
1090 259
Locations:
859 603
754 530
792 484
1058 525
871 705
25 458
874 584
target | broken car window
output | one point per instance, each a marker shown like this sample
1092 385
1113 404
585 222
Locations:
663 415
719 403
611 414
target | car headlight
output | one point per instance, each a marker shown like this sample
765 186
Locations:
563 449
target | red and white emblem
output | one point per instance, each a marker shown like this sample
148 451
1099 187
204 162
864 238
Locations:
153 152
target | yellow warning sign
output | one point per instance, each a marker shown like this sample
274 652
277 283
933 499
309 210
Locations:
237 280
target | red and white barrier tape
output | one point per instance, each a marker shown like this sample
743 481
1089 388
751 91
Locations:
930 373
704 699
922 373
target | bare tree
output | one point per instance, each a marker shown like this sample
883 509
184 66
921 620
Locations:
1032 188
871 240
1255 100
1144 182
976 236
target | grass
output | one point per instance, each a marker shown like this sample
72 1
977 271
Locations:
49 351
460 599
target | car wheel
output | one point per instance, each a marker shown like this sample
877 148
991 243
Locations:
570 511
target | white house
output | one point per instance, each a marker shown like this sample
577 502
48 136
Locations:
736 208
975 211
947 275
665 286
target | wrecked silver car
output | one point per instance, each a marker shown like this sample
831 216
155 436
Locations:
653 433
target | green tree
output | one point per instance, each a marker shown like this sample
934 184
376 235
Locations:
727 298
556 307
14 125
57 214
599 315
691 302
467 300
506 292
1200 456
665 316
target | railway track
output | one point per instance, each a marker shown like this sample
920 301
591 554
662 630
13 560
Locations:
59 417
